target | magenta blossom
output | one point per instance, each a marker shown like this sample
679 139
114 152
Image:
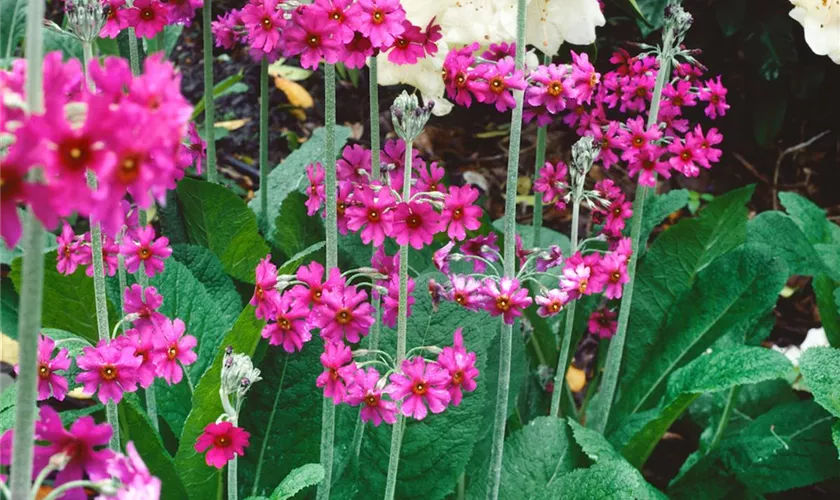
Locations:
457 75
367 391
602 323
419 384
494 83
706 153
483 246
715 94
110 255
408 47
379 20
390 304
415 224
459 213
266 297
612 275
68 255
441 257
467 292
141 247
313 37
506 298
110 369
145 303
585 77
344 313
263 19
552 183
316 174
224 441
551 302
637 140
461 367
136 481
290 328
173 350
49 382
117 20
147 17
372 214
142 341
554 89
647 165
340 368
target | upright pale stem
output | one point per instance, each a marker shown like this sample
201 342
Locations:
264 146
724 418
542 132
328 417
233 478
562 360
133 52
209 104
373 90
505 342
600 419
402 329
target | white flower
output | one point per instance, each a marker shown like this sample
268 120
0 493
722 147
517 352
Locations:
821 20
815 338
552 22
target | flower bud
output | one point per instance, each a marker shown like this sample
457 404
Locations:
85 18
409 117
238 373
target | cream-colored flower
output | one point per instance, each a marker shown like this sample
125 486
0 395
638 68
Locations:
821 21
552 22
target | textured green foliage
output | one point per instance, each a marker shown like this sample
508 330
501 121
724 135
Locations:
290 174
135 426
300 478
657 208
295 230
200 479
216 218
208 270
753 400
712 372
788 241
821 368
669 269
835 435
710 309
7 408
12 25
307 254
8 308
69 302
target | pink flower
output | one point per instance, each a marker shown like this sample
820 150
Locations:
312 275
483 246
636 140
703 145
602 323
108 368
685 155
136 481
715 94
617 213
345 198
340 368
495 82
68 255
637 92
140 340
263 21
584 76
354 162
457 74
555 87
390 304
224 442
612 275
461 367
16 189
367 391
372 214
429 180
551 302
316 174
196 151
467 292
379 20
147 17
173 350
505 298
549 258
225 29
337 13
313 37
459 213
607 140
110 255
354 54
144 302
408 46
414 224
552 183
49 382
419 384
575 280
117 20
290 329
141 247
343 313
680 95
266 297
647 166
441 257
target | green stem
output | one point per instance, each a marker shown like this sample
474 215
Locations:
724 418
58 492
31 293
264 446
209 104
133 52
233 478
328 416
373 91
542 132
563 359
600 419
123 285
402 330
505 342
264 146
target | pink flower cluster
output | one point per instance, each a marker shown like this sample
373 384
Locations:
417 387
347 31
84 446
138 246
377 211
127 133
147 17
491 81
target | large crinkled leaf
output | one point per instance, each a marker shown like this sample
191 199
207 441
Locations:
300 478
12 25
809 217
294 229
827 292
657 208
752 279
753 400
290 174
604 480
788 241
69 302
669 269
711 372
208 270
8 308
200 479
788 447
216 218
835 435
136 427
821 369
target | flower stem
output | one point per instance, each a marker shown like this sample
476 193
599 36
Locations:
505 342
562 360
328 416
724 418
133 52
232 478
373 90
264 146
121 275
601 415
58 492
542 132
209 103
402 329
264 446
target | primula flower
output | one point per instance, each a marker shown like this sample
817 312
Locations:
340 368
344 199
459 213
354 54
715 93
141 340
367 392
354 160
647 165
685 156
49 382
602 323
147 17
584 76
108 368
390 304
483 246
611 275
457 74
680 95
461 367
429 180
495 82
290 328
266 297
316 174
552 183
379 20
617 213
336 13
263 21
408 47
371 214
224 441
552 257
141 247
575 280
441 257
344 313
117 19
414 223
313 275
467 292
16 189
68 255
145 303
551 302
555 87
313 37
136 481
703 145
419 384
225 29
505 298
195 153
173 350
637 140
110 255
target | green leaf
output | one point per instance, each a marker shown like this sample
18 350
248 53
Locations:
67 44
211 274
290 175
8 308
712 372
657 208
828 303
218 219
604 480
654 12
7 408
294 229
300 478
835 435
137 428
200 479
69 302
229 85
821 369
171 34
808 216
12 25
7 255
291 265
173 404
788 241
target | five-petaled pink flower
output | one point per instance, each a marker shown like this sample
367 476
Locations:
340 368
110 369
551 302
266 297
344 313
144 302
505 298
461 367
289 328
141 247
459 213
222 442
379 20
419 384
372 214
173 350
415 224
49 382
367 392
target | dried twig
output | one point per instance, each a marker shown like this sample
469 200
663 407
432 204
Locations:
790 150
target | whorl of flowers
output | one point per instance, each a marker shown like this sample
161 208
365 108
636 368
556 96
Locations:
147 17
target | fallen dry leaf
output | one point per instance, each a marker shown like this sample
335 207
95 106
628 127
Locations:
297 95
576 378
233 124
